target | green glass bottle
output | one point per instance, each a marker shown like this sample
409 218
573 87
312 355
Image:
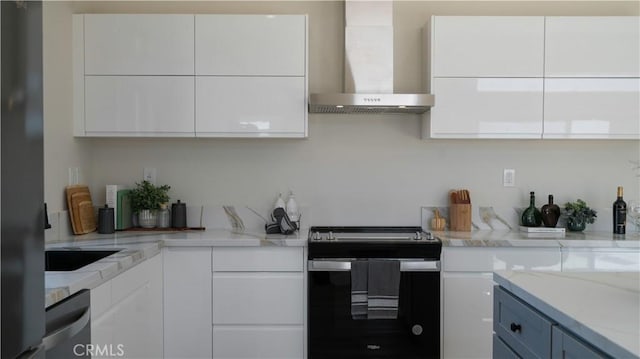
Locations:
531 217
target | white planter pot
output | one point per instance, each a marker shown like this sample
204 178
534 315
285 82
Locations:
147 218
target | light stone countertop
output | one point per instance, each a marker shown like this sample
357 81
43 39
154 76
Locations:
507 238
601 308
136 247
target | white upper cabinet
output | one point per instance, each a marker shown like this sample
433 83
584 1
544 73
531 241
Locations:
534 77
251 76
585 46
250 106
487 46
594 108
157 75
139 106
487 108
486 75
138 44
251 45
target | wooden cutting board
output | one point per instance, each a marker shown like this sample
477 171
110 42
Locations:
81 211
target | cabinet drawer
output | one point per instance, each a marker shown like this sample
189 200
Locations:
258 298
566 345
258 259
502 350
520 326
258 342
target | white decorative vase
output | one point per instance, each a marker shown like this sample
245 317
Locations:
147 218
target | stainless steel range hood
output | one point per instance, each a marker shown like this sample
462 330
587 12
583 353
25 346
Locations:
368 66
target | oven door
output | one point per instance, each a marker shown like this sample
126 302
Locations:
333 333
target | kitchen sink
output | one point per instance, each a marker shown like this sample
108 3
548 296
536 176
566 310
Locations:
69 260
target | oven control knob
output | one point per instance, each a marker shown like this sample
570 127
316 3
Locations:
330 237
316 236
418 236
416 329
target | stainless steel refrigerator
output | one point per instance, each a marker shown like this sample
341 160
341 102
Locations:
22 195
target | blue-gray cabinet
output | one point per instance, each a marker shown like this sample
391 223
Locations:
520 331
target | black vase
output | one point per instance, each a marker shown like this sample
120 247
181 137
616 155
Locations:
550 213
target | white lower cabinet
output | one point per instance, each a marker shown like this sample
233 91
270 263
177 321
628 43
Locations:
246 341
187 302
234 302
467 287
258 302
126 313
466 308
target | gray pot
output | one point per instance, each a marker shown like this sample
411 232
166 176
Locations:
147 218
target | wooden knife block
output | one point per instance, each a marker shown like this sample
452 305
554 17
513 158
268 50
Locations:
460 217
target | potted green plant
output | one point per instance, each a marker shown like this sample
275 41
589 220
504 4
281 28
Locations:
578 214
146 199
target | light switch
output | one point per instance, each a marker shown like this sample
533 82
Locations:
509 177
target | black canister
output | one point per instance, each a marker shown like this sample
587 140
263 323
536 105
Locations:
106 220
179 215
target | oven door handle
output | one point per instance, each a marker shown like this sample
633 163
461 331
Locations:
345 266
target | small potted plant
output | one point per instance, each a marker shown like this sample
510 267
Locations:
146 199
578 214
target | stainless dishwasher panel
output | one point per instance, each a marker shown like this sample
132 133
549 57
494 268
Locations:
68 328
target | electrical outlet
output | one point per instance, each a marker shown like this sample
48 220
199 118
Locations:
509 177
149 175
73 176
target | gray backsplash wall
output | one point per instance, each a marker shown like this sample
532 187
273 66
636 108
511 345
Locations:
353 169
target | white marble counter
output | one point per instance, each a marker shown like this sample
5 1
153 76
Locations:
507 238
136 247
601 308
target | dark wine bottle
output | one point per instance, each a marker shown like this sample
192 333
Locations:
531 216
619 214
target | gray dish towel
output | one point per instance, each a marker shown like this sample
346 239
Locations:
359 277
383 288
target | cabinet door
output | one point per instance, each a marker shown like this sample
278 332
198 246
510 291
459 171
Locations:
250 45
487 46
486 108
138 44
467 307
139 106
251 106
127 320
565 345
592 108
101 316
137 305
276 342
187 302
584 46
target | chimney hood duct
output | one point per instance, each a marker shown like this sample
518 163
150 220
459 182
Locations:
368 66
